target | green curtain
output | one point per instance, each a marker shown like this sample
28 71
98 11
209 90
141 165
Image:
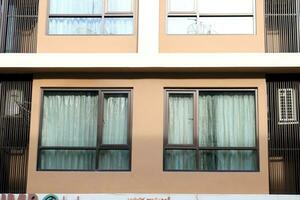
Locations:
115 131
181 119
227 119
69 120
115 119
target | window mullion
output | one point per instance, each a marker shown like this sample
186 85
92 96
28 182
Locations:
196 141
99 126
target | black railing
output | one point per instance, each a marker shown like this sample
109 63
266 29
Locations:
282 25
18 26
284 138
15 105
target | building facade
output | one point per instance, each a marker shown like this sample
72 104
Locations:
153 97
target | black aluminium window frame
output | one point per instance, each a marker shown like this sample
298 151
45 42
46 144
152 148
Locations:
101 93
103 16
195 146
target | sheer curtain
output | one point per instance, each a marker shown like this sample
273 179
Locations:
115 132
69 120
181 119
75 25
180 131
227 119
115 122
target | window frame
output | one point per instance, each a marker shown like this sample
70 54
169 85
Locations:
197 14
99 146
105 14
195 146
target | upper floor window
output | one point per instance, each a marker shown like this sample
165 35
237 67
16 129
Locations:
211 130
85 130
91 17
211 17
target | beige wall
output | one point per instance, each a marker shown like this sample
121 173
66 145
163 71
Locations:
82 44
147 175
212 43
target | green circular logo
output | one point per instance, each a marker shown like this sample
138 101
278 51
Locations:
50 197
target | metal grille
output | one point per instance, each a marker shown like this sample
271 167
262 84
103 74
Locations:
282 25
284 141
286 104
15 104
19 26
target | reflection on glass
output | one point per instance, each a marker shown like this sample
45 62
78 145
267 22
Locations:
75 26
67 160
114 160
182 25
119 5
225 25
118 26
180 160
181 5
76 7
226 7
228 160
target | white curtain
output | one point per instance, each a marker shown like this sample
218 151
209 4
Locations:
119 5
115 122
69 120
118 26
227 119
76 6
75 26
181 119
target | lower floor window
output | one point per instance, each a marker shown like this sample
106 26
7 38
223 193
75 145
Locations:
211 130
85 130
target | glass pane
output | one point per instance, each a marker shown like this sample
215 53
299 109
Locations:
180 160
181 5
225 25
228 160
181 119
118 26
114 160
227 119
115 119
182 25
75 26
67 160
76 7
226 7
70 118
119 6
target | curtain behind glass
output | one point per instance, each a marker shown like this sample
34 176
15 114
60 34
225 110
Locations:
227 119
76 7
115 119
70 119
181 119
